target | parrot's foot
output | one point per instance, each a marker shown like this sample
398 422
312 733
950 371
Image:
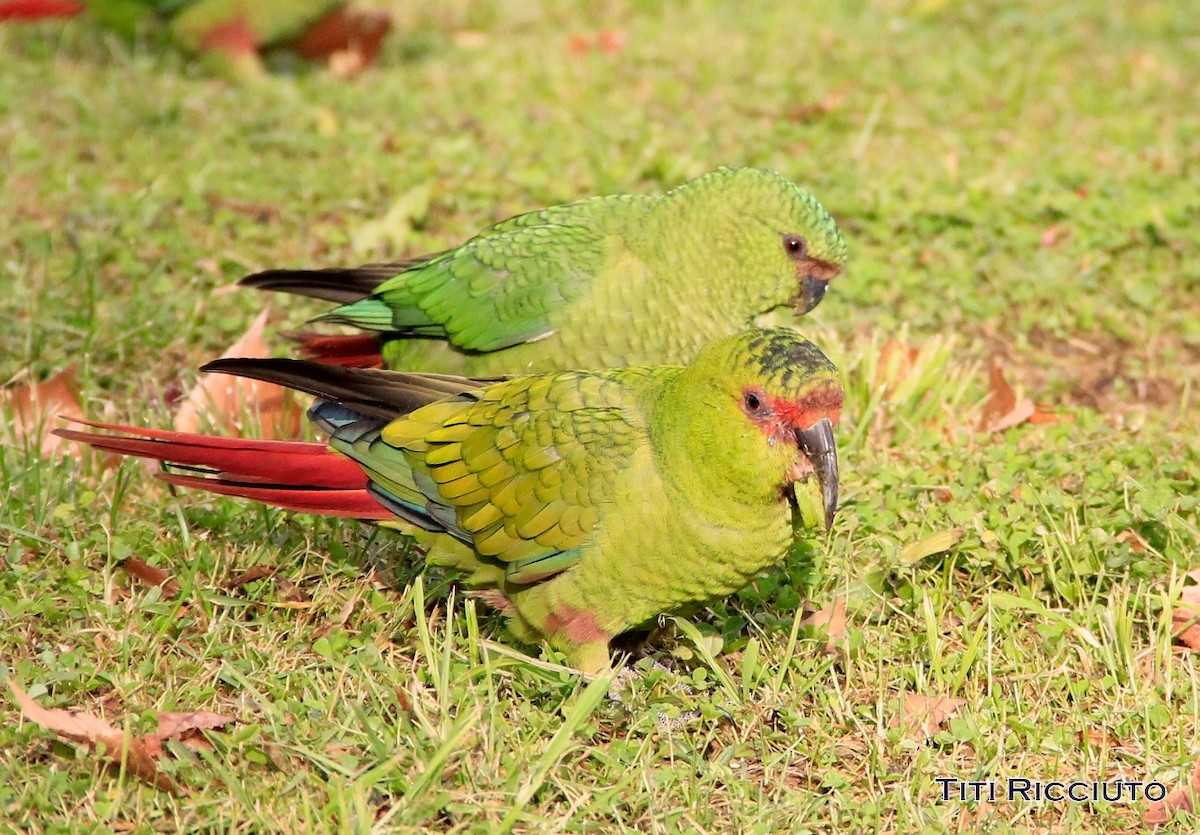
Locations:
628 677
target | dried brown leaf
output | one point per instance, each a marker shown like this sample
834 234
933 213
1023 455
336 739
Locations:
346 610
1137 542
261 212
1178 800
349 39
1053 235
150 575
227 401
921 717
470 39
184 725
134 753
1042 414
811 112
1186 615
608 41
1101 738
1003 409
832 619
251 575
289 591
611 41
34 407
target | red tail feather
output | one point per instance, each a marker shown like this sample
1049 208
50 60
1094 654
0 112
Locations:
360 350
38 9
290 474
356 504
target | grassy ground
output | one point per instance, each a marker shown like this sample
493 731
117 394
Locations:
1015 180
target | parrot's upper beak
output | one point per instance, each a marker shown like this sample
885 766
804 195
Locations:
812 290
814 275
818 444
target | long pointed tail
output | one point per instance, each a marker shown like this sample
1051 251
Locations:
294 475
38 9
333 284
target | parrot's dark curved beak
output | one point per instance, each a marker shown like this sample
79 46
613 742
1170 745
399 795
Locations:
812 290
814 275
818 444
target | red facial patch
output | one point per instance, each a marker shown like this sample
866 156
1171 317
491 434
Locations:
816 268
825 402
780 418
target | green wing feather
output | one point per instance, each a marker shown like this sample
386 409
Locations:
515 473
502 287
269 21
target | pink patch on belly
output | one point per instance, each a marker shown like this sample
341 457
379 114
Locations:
576 626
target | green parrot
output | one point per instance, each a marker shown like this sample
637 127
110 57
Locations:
585 502
231 33
603 282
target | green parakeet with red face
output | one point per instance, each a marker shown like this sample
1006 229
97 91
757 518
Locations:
603 282
584 502
231 33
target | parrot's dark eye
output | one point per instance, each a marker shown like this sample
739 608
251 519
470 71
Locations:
753 403
795 246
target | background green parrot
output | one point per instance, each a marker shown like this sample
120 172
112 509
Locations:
230 34
588 501
603 282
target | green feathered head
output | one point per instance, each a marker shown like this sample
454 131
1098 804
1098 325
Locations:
786 240
760 414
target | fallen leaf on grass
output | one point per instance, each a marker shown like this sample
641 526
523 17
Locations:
810 112
608 41
1003 409
1137 543
188 727
261 212
1179 800
832 619
251 575
1101 738
223 400
470 39
1186 615
1042 414
346 610
34 407
150 575
1053 235
921 717
349 39
130 751
289 592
